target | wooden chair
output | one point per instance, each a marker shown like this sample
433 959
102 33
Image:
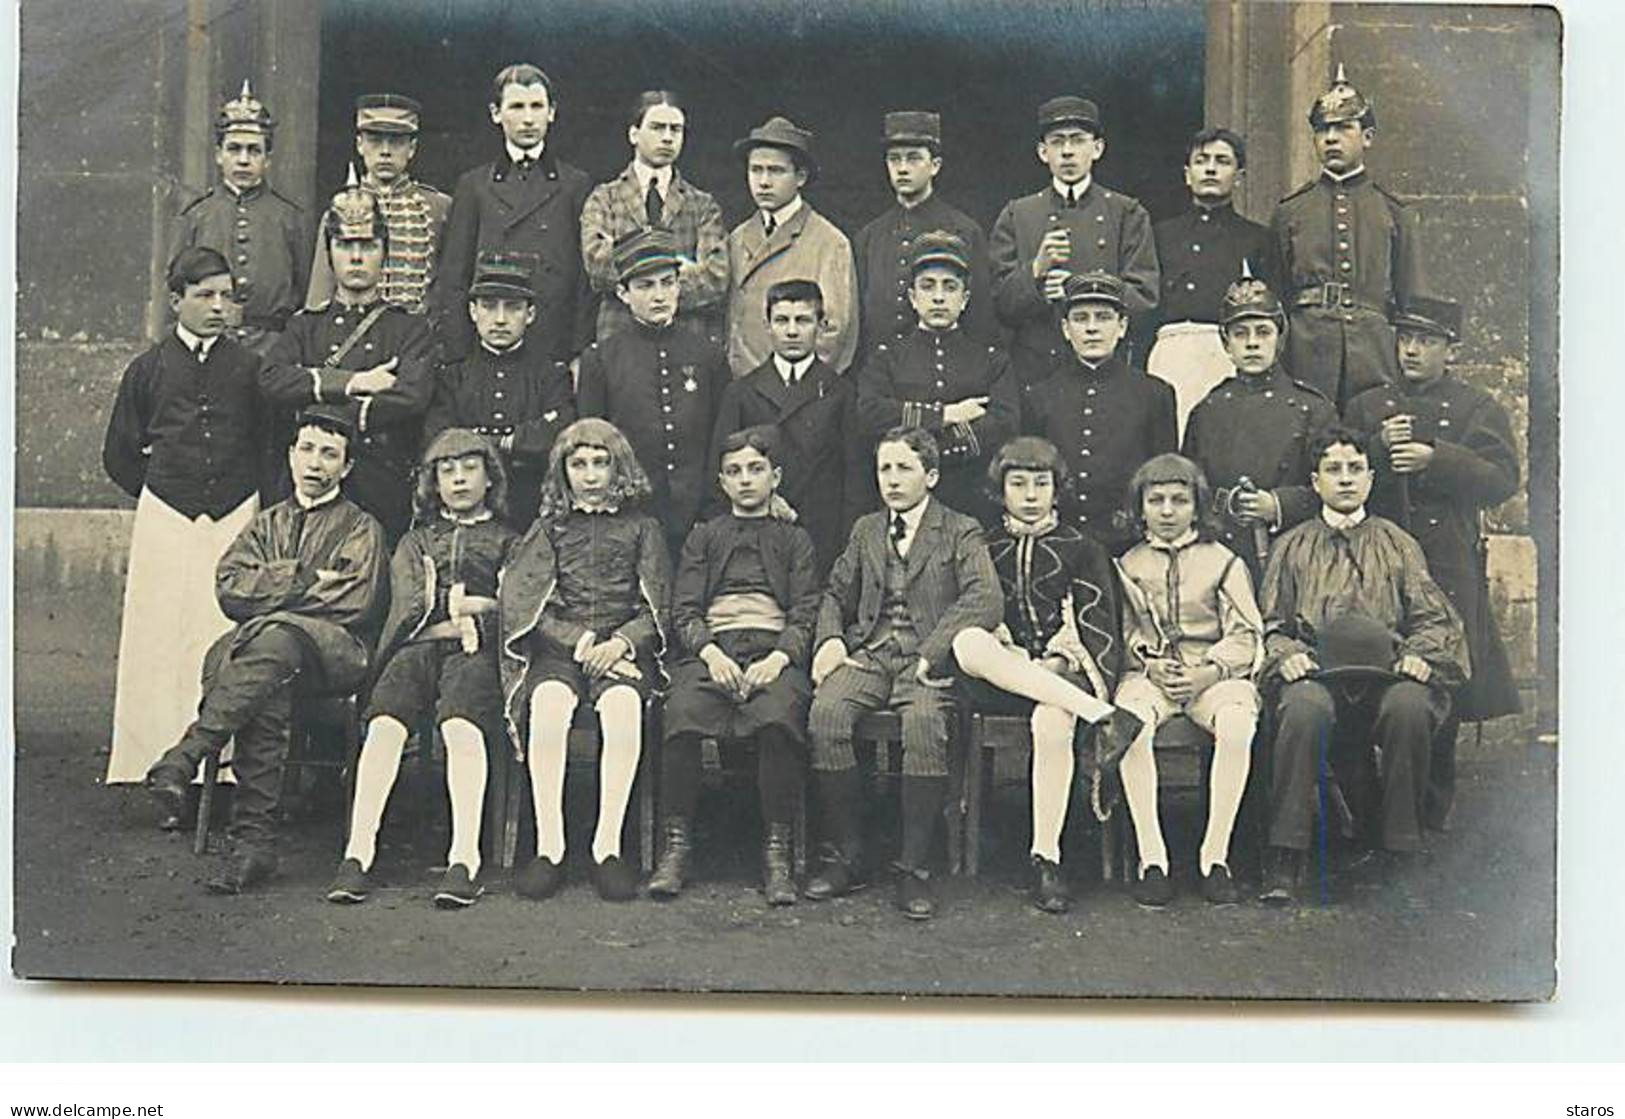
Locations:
883 732
581 751
309 712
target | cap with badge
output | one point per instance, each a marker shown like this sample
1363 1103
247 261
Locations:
1250 298
503 276
1068 110
1092 287
647 250
1425 313
781 132
353 214
244 113
1342 102
911 128
387 112
942 249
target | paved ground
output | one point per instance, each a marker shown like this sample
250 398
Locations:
100 894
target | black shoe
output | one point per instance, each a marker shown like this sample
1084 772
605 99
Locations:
166 785
1218 887
540 879
242 873
914 894
350 885
671 870
615 879
458 890
1281 867
1116 735
1049 886
1153 889
778 880
837 875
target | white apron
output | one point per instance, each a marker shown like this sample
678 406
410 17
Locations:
1191 357
170 620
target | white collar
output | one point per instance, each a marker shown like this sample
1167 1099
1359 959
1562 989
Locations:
912 518
199 345
494 352
662 177
516 153
1344 521
1345 176
309 503
783 214
477 518
930 193
1081 186
1178 543
792 372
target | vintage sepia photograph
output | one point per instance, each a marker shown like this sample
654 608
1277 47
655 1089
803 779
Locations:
974 498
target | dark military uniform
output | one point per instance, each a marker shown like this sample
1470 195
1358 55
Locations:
1344 251
264 238
537 211
1259 427
883 249
388 424
1200 253
910 382
828 474
502 394
1111 232
661 387
1106 421
1474 467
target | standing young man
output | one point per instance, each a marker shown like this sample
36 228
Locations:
882 249
1444 455
1201 252
386 138
304 583
527 200
913 576
1105 416
1072 226
652 193
370 357
1251 434
1345 251
244 219
786 239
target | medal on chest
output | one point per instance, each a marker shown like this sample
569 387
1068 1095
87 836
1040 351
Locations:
690 382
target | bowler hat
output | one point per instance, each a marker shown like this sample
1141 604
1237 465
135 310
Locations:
1356 647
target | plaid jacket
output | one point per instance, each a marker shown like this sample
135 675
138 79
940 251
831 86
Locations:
616 208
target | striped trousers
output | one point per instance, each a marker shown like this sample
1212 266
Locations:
873 679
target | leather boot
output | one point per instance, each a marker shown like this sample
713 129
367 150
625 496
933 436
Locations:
778 882
671 871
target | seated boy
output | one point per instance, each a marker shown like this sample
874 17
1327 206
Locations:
659 381
503 387
942 378
439 652
303 583
743 608
1343 580
826 468
911 578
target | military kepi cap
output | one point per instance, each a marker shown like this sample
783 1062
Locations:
244 113
909 127
335 416
1093 287
1340 103
1422 312
1068 110
780 132
644 251
1250 298
387 112
941 248
503 276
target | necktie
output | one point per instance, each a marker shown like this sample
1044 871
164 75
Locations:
771 224
524 165
1071 198
899 528
652 206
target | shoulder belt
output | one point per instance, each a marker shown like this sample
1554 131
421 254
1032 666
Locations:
356 335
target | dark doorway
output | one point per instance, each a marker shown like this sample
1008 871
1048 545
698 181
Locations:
831 65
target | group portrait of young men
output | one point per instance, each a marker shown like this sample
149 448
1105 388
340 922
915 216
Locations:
477 459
